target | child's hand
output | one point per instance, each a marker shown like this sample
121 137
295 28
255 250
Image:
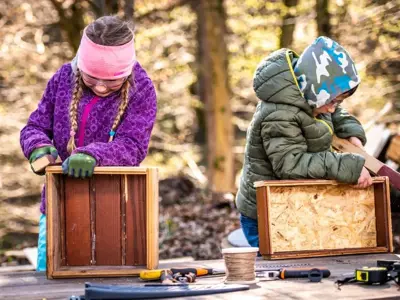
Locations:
356 142
40 152
365 179
79 165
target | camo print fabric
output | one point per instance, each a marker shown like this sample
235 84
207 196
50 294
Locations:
50 124
324 71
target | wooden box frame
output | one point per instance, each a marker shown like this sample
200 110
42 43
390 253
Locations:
382 214
132 185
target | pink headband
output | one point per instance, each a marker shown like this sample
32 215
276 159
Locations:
106 62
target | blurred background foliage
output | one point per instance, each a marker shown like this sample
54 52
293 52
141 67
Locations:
201 56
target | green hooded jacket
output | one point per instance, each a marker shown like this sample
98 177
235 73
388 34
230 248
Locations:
285 141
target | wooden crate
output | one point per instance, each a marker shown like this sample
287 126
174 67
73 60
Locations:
307 218
103 226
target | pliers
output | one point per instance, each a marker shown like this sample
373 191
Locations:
268 275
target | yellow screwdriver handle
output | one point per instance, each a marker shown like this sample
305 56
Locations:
150 274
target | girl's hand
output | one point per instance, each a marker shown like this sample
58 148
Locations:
356 142
40 152
365 179
79 165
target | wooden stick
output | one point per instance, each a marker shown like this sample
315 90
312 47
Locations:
371 163
343 145
41 163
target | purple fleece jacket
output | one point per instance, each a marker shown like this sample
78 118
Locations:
50 124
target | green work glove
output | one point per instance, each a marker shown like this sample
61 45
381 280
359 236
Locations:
42 151
79 165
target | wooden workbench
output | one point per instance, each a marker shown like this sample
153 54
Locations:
32 285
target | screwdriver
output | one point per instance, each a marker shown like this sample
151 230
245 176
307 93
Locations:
198 271
156 274
302 272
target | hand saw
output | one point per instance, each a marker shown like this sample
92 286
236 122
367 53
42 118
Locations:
371 163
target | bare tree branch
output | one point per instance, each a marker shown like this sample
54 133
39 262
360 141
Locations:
129 9
98 7
168 8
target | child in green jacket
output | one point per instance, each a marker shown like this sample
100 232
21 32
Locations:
291 132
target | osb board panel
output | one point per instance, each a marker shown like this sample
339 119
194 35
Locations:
77 222
136 221
108 219
321 218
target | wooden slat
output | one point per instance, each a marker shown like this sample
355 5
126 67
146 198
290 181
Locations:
52 225
152 215
41 163
380 213
306 182
107 170
124 195
98 271
269 223
136 221
108 219
263 222
62 220
92 200
389 215
293 182
77 222
336 252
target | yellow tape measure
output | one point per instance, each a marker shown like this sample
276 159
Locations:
372 275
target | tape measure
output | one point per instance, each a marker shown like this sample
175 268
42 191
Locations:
374 275
369 275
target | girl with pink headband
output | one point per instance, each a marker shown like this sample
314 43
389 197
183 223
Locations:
98 110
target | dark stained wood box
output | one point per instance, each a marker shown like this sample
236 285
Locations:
103 226
307 218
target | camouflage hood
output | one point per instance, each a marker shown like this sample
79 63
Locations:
324 71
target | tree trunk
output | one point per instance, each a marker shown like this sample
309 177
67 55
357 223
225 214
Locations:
288 24
129 10
323 18
342 17
71 21
100 8
215 93
112 7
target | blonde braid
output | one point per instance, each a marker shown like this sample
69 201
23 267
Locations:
122 106
73 111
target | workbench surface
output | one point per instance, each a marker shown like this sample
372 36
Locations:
34 285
